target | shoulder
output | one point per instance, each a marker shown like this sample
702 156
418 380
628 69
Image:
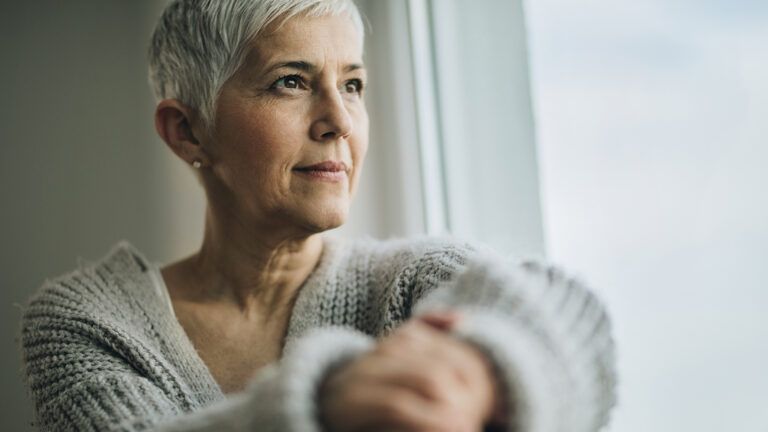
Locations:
402 270
92 334
420 251
107 288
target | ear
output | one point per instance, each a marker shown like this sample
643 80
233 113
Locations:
174 124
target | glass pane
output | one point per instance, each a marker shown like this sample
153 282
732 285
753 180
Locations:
653 130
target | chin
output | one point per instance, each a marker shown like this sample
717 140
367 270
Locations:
325 218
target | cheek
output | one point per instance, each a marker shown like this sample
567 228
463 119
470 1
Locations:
360 146
266 141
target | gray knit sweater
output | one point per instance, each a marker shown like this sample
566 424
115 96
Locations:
104 352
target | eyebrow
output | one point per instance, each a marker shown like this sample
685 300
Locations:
309 67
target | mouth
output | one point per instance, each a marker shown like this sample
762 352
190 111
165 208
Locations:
327 166
330 171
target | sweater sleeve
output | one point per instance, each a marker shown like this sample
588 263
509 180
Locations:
283 396
80 380
547 336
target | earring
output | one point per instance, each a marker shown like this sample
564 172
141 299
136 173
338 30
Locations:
197 164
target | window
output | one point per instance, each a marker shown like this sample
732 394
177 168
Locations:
648 133
452 136
653 148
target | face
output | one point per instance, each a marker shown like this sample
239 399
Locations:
297 101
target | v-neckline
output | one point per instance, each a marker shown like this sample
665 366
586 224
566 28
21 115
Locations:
196 372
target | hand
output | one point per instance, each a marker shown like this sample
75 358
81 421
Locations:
419 378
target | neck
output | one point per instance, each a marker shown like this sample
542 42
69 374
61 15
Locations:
255 270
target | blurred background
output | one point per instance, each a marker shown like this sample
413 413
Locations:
626 141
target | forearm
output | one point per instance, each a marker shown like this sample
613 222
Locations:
282 396
547 335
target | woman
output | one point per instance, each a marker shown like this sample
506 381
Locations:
272 326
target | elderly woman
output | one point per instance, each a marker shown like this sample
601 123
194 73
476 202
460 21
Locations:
272 326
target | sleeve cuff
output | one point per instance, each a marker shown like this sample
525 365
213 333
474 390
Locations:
547 335
282 396
306 362
534 393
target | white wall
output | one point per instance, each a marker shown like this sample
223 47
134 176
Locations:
78 165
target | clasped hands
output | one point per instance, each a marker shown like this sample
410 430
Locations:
419 378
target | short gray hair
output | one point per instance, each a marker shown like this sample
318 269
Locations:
199 44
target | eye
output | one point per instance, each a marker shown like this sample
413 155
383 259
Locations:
288 82
354 86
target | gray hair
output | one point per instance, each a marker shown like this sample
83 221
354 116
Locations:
199 44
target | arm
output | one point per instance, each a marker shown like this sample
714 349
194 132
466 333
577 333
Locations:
80 381
546 335
283 396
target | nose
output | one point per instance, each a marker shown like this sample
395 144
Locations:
333 120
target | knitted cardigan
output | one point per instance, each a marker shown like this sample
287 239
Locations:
103 352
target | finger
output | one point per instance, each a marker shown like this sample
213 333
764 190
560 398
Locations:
434 379
426 376
423 338
417 340
421 329
390 407
469 399
438 348
444 320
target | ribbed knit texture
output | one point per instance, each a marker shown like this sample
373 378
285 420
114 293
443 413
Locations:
103 352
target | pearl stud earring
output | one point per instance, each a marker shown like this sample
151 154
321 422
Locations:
197 164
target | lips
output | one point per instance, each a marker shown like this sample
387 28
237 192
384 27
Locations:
331 166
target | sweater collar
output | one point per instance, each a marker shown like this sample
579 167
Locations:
130 271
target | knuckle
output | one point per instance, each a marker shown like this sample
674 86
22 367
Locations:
452 421
388 348
412 328
395 408
433 381
404 338
399 345
448 419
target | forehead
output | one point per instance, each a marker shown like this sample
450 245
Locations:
330 38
